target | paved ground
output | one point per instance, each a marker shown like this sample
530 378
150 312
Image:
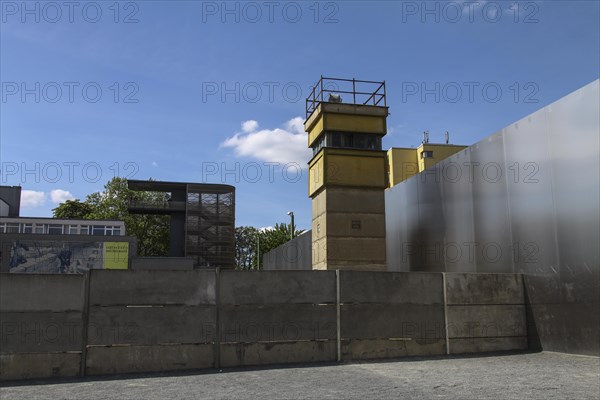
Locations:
518 376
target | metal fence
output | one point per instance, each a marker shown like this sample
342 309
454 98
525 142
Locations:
348 91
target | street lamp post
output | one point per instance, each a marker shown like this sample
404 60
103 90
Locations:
292 229
258 251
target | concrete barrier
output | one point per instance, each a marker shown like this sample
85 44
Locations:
110 322
42 325
485 312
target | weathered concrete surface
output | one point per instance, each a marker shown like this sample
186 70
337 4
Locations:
383 321
152 287
391 287
41 292
151 325
279 322
371 349
119 359
276 287
484 345
161 264
484 288
558 305
287 314
486 321
40 332
241 354
544 376
38 365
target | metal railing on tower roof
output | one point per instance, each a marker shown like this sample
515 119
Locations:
347 91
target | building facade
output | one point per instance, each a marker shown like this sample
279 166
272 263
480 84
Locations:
63 246
10 201
406 162
55 226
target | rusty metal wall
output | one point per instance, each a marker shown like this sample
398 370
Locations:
525 200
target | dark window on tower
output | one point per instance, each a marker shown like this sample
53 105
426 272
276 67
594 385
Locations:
351 140
372 143
319 144
336 139
360 142
427 154
348 140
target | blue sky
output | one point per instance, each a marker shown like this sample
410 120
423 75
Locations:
214 91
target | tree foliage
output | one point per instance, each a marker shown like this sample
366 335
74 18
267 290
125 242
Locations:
73 209
246 244
151 231
248 240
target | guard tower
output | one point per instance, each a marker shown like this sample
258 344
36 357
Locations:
346 121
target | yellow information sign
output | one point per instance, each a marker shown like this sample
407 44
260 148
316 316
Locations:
116 255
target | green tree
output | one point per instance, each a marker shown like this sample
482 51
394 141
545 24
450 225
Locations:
73 209
246 245
151 231
248 240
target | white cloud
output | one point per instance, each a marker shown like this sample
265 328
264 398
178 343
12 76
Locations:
249 126
154 164
287 145
265 228
31 198
394 129
60 196
295 125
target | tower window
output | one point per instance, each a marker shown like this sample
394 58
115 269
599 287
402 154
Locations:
427 154
352 140
336 140
348 140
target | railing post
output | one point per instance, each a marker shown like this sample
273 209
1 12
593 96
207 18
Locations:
306 107
384 96
354 90
321 83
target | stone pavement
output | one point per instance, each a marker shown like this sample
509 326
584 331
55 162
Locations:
515 376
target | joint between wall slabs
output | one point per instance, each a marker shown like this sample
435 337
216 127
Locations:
85 316
446 313
338 316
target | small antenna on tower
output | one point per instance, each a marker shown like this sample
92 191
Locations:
447 137
425 137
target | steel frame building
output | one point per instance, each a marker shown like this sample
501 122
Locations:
202 219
